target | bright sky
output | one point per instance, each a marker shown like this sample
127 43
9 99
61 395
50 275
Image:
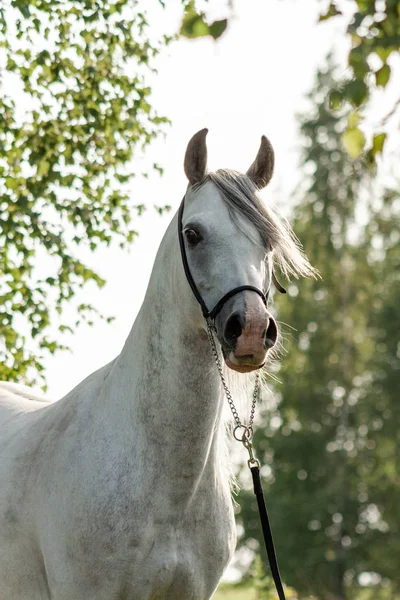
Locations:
250 82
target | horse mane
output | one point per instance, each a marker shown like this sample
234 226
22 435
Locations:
242 198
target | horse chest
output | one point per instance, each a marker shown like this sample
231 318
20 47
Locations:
158 552
182 562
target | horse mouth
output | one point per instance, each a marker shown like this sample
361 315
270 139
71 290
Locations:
243 364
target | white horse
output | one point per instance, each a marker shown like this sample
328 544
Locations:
120 491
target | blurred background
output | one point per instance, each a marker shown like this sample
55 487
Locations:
98 99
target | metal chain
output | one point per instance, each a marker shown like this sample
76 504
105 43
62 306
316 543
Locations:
247 429
253 463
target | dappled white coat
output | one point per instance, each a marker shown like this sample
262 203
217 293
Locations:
120 490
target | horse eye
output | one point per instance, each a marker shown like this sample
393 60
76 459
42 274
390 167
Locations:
193 237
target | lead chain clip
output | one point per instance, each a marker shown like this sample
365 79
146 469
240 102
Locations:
253 461
246 438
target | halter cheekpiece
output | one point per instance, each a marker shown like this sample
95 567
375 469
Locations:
209 314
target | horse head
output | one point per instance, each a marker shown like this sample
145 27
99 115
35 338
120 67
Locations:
228 240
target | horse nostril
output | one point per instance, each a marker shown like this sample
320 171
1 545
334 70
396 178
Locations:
233 329
271 334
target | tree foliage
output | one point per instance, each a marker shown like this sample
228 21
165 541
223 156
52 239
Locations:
195 23
79 69
374 33
332 441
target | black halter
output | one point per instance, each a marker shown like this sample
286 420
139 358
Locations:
253 464
209 314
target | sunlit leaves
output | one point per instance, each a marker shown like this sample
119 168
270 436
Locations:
382 76
43 168
65 162
11 183
353 138
378 142
331 12
374 31
354 141
195 24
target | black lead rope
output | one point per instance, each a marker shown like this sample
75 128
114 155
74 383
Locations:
267 533
253 463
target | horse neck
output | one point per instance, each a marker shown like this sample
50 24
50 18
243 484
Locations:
165 381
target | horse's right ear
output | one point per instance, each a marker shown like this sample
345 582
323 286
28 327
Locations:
195 163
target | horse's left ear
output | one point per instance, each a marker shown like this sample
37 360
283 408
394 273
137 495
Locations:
195 163
262 168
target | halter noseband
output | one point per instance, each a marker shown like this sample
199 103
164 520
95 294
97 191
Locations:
209 314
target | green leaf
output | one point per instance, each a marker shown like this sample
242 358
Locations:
193 26
24 8
358 62
383 52
335 99
331 12
43 168
353 120
378 142
354 141
356 92
382 76
357 20
217 28
11 183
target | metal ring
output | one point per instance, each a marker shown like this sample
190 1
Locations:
239 439
247 433
254 462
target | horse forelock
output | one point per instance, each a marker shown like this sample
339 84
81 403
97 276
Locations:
242 199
